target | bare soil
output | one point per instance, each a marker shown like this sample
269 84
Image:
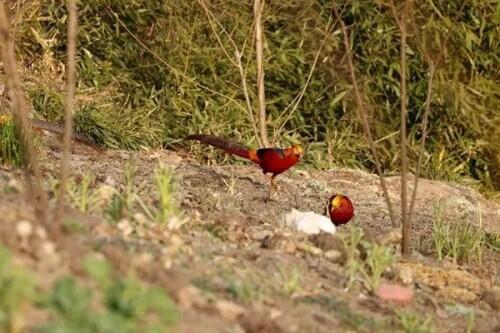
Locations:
234 267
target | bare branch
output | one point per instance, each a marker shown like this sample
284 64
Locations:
362 114
405 245
68 106
31 167
296 101
428 101
258 8
238 54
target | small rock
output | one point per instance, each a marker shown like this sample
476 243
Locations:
333 255
492 297
404 274
140 218
48 249
167 263
24 228
41 232
229 310
305 247
394 293
391 237
15 185
189 297
125 227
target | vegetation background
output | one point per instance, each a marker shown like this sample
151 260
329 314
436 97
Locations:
151 71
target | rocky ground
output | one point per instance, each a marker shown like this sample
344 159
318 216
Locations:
231 265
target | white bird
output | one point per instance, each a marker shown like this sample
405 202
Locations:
310 223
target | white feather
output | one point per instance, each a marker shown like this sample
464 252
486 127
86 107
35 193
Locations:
309 222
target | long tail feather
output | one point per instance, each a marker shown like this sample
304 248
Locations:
59 129
226 145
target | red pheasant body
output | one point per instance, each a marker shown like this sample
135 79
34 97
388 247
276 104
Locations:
276 160
340 209
271 160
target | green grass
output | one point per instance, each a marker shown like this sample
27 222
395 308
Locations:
412 322
10 148
459 240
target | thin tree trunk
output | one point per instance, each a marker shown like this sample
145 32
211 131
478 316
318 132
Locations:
68 106
258 8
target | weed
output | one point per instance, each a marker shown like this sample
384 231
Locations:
290 281
129 193
10 148
413 323
17 289
126 305
165 190
458 241
378 259
74 226
351 241
243 292
471 322
82 195
116 208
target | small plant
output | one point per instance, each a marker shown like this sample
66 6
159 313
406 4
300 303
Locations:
126 305
164 186
458 241
412 323
122 202
129 194
10 149
243 292
351 241
82 195
291 281
16 289
378 259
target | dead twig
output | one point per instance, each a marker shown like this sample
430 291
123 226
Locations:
296 101
362 114
432 63
68 106
237 63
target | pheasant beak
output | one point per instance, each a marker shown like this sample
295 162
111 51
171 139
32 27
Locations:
336 200
298 150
